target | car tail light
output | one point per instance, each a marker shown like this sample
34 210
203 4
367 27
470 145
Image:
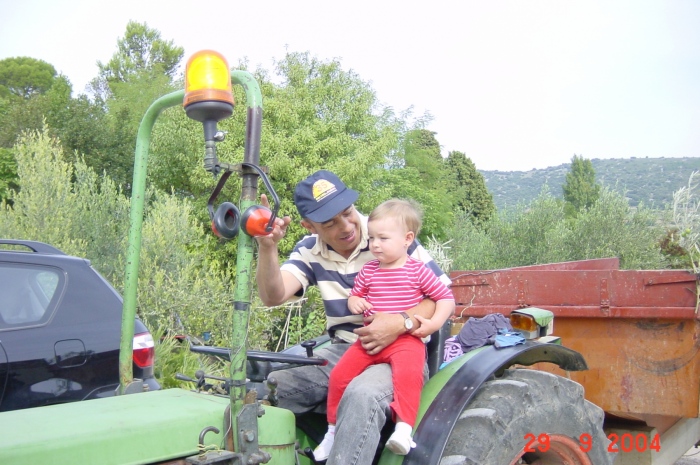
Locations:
144 350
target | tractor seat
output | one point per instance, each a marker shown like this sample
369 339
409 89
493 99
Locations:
436 348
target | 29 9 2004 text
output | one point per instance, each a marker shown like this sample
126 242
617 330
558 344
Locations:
626 442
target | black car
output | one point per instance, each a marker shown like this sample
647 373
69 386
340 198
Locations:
60 329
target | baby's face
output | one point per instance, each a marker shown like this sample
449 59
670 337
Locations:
388 241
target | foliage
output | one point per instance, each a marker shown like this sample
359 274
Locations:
423 166
422 152
277 328
471 246
540 233
649 180
440 253
8 173
471 195
141 51
610 228
527 235
89 218
45 178
177 284
25 76
26 114
142 69
686 217
676 255
103 129
407 183
173 356
89 214
128 103
580 188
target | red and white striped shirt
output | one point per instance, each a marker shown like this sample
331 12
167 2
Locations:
396 290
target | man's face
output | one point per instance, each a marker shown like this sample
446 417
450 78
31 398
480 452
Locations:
342 232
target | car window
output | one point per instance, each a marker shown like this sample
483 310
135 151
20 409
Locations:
26 293
47 282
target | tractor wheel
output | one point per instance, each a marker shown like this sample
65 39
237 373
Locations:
529 417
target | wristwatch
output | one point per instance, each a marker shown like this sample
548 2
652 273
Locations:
407 322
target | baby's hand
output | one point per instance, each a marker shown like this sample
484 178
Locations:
358 305
426 328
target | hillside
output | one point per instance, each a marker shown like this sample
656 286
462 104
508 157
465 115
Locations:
649 180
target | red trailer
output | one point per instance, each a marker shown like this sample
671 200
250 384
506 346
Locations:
638 331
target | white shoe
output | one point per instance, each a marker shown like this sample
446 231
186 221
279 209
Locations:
323 450
400 443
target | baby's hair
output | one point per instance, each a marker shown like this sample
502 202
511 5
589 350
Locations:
407 212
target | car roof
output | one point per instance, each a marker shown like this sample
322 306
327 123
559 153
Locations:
35 252
33 246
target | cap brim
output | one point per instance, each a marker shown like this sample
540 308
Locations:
339 203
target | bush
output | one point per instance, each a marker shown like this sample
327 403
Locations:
173 356
540 233
70 207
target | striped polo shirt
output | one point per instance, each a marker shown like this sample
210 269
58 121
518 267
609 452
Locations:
313 262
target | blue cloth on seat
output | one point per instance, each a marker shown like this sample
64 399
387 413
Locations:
504 338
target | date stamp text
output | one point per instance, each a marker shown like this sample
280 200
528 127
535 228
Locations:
626 442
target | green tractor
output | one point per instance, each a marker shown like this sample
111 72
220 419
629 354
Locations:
482 408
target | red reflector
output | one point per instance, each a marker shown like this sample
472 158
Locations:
144 350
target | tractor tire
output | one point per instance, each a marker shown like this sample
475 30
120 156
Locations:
520 409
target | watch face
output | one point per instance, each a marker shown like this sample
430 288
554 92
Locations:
408 323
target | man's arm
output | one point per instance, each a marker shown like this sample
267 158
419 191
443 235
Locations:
386 327
274 285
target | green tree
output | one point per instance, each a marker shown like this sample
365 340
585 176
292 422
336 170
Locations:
611 228
428 181
580 187
34 92
422 152
8 173
90 218
25 76
471 194
142 69
18 115
141 50
539 232
686 221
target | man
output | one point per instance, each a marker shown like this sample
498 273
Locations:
330 258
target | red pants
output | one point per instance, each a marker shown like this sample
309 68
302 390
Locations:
406 356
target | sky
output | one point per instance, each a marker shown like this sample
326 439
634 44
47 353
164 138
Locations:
514 84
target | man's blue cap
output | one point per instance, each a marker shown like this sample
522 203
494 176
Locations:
322 195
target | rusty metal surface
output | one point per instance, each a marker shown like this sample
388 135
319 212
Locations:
638 330
612 263
578 293
638 368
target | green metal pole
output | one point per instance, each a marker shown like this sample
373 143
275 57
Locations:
131 274
244 259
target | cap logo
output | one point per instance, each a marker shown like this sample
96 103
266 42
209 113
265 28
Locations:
322 189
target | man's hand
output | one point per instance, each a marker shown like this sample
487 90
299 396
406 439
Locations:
278 231
382 330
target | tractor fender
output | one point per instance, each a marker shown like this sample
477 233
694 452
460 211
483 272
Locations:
448 392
